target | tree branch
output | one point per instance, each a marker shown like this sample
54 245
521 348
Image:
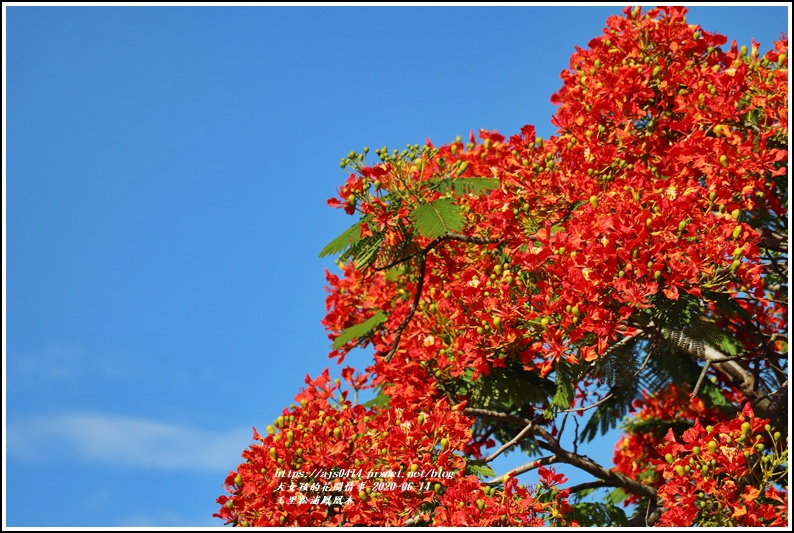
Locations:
417 296
773 240
562 455
526 467
740 377
589 485
648 519
613 391
510 444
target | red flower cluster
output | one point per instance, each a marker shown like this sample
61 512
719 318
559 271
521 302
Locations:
648 190
328 462
724 475
528 257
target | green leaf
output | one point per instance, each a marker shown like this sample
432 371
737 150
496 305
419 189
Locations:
716 398
590 514
399 251
359 330
381 400
463 186
365 251
438 218
346 239
562 396
617 496
607 415
482 471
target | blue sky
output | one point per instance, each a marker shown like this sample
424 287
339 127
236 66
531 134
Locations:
165 180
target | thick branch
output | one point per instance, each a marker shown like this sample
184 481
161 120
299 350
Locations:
589 485
773 240
647 519
777 410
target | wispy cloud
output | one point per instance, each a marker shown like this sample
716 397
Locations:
56 361
61 362
124 442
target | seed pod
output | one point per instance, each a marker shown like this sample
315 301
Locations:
462 168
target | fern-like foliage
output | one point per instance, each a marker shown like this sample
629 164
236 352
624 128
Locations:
590 514
344 241
398 252
618 366
462 186
566 375
365 252
359 330
437 218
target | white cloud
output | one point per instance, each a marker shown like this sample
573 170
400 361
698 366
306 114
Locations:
125 442
57 361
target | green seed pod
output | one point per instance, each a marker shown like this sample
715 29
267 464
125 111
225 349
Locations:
462 168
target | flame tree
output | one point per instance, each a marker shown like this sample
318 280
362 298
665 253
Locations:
633 266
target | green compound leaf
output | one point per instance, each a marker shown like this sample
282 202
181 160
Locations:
481 471
462 186
359 330
438 218
345 240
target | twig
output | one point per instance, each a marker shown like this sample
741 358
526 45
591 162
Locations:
700 379
739 376
526 467
471 240
562 455
612 392
510 444
417 296
421 281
